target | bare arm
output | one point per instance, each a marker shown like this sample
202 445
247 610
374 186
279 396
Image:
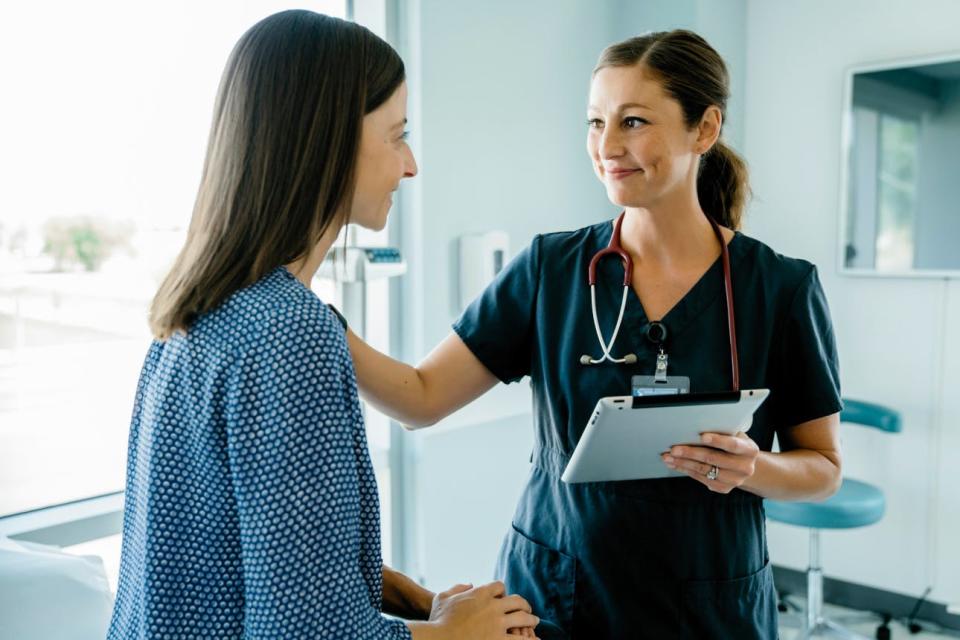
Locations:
404 598
449 378
807 467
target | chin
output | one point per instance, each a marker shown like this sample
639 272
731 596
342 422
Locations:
623 198
372 221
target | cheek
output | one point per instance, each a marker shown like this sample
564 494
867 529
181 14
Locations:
592 145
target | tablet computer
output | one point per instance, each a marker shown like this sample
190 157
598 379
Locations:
626 435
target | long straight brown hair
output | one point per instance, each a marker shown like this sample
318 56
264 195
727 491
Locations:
280 162
695 75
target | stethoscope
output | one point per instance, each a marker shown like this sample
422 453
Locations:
656 331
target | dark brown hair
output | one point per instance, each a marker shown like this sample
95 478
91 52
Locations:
281 157
693 74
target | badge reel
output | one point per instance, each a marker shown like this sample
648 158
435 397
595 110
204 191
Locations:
659 384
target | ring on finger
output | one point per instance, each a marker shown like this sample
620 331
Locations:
713 472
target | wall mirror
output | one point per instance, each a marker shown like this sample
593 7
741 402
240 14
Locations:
900 186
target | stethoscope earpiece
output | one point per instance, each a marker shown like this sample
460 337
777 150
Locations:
629 359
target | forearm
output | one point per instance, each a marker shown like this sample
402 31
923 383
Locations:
394 388
800 474
404 598
449 378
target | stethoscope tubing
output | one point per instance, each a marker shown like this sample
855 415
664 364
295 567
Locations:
615 248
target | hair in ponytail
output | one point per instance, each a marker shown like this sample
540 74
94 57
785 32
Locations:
694 74
723 186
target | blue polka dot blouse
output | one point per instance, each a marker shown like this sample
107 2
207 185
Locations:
251 504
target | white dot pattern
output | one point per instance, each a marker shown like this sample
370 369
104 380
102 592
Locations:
251 504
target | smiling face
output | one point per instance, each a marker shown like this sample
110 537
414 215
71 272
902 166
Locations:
641 147
384 159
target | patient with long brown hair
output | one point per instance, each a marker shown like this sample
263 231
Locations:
251 504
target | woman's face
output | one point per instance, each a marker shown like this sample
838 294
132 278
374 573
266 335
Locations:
641 148
384 160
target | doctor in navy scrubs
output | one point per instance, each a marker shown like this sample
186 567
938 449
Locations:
678 557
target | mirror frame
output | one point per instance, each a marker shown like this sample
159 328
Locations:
846 133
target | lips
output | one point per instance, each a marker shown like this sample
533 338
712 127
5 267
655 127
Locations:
620 173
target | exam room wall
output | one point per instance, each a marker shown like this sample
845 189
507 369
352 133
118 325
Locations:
899 339
497 109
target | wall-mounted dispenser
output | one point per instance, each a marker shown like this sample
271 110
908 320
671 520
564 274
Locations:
482 257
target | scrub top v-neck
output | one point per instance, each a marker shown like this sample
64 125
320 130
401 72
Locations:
663 558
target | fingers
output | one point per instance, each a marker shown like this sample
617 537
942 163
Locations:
739 444
494 589
520 619
692 466
707 458
697 471
514 603
714 485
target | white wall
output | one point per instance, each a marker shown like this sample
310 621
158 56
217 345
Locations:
899 339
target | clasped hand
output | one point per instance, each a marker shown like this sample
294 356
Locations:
483 612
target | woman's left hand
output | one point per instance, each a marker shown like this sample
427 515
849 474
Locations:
733 456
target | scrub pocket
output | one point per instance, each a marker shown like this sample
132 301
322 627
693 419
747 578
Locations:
545 577
743 608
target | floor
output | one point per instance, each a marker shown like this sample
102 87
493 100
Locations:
790 631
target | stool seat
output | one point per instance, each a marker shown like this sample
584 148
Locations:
856 504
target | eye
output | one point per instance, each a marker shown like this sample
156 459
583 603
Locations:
634 122
595 123
405 135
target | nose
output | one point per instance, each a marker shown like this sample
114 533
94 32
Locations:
610 145
410 165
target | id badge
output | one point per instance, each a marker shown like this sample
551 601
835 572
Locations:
659 385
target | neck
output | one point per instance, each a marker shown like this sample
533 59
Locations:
668 234
305 267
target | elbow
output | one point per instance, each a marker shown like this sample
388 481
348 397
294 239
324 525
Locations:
415 424
833 477
420 421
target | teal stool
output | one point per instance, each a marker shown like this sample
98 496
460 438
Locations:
856 504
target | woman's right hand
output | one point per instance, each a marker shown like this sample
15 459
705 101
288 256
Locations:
481 613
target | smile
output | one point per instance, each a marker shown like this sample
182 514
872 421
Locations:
620 174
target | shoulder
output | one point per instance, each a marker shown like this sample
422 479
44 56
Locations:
782 273
276 310
561 246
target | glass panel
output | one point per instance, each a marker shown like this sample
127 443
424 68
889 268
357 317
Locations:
897 190
104 126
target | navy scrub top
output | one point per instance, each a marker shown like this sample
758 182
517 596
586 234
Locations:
664 558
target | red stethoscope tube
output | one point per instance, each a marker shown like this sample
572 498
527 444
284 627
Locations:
615 248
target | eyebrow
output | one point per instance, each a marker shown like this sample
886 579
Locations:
624 107
399 125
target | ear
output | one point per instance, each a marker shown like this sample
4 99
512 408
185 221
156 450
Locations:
709 129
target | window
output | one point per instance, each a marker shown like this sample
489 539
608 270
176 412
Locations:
105 126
